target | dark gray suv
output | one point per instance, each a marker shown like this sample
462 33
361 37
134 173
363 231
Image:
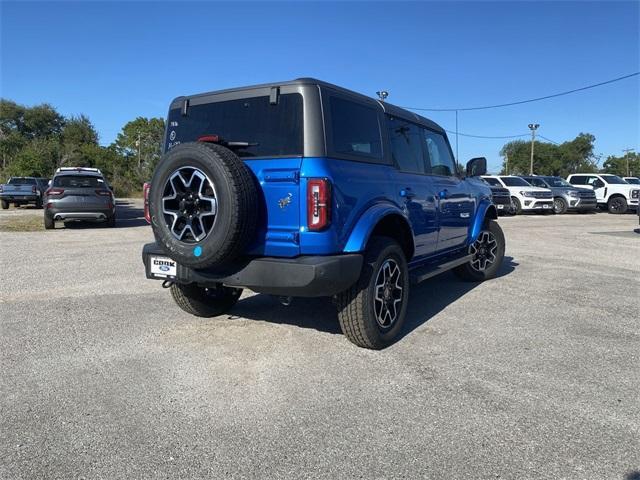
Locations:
566 197
79 194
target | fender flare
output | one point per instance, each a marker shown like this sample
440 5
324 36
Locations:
485 209
362 230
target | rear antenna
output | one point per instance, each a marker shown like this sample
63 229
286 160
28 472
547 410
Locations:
382 95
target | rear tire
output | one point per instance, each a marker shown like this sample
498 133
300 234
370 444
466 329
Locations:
111 222
49 223
488 252
617 205
205 302
559 206
5 205
372 312
517 206
38 202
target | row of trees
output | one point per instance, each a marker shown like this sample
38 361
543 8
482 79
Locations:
34 141
563 159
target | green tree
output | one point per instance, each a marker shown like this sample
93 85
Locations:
549 159
77 134
140 141
625 166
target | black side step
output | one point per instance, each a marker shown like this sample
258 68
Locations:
429 271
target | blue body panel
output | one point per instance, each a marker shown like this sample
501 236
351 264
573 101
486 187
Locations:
443 213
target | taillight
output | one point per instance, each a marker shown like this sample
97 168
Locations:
145 193
0 188
318 203
33 189
54 191
104 193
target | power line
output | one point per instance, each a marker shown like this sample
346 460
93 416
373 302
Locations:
548 140
485 136
526 101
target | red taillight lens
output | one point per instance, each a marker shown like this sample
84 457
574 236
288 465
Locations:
145 193
54 191
209 138
104 193
318 203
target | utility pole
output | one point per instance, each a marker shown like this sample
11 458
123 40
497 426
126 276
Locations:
626 156
533 127
139 145
506 166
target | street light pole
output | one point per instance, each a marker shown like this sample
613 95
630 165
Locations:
532 127
626 156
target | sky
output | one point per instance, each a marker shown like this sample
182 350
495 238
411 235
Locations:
115 61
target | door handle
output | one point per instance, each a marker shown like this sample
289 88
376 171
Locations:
443 194
407 193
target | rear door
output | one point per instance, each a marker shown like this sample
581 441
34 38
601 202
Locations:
455 205
414 187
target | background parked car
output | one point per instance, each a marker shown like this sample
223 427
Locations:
525 197
632 180
79 194
501 199
23 191
611 191
565 196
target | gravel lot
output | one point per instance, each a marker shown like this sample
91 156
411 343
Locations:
533 375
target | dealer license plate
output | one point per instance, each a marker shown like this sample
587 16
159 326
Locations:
163 267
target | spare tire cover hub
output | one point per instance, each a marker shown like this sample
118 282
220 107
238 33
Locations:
189 204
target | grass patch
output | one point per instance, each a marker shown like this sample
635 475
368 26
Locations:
31 223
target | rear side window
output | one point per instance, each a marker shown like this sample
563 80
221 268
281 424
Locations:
78 181
271 130
578 180
440 157
355 129
406 145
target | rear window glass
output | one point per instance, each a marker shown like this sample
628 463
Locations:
78 181
355 129
22 181
270 130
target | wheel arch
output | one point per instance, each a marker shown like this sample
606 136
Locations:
387 221
486 210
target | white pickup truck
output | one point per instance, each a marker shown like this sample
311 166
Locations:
612 192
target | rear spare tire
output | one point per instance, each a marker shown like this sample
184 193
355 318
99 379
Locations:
203 204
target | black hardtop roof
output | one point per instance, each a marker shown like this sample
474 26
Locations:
385 106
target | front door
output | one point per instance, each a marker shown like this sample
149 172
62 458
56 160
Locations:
455 204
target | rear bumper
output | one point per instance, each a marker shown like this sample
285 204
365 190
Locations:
90 215
19 198
306 276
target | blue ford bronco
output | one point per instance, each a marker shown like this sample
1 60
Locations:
306 189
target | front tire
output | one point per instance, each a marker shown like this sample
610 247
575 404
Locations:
517 206
372 312
617 205
488 253
205 302
559 206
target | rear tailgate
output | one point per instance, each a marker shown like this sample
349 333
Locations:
84 199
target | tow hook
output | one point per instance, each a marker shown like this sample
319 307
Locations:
167 284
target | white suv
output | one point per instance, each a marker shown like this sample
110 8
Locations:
525 197
611 191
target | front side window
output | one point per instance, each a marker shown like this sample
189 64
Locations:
406 145
355 129
613 179
440 158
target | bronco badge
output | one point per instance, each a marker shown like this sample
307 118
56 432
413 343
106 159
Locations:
283 202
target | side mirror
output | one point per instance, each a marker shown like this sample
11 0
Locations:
598 184
476 167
